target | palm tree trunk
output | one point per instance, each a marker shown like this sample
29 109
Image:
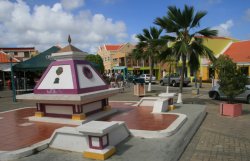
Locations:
176 66
151 64
195 79
169 73
182 71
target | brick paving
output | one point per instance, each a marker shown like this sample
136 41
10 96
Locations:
220 138
18 132
139 117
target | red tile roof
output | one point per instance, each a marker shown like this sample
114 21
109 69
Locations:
5 59
17 48
113 47
239 51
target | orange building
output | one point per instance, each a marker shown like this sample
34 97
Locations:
240 53
115 55
119 57
20 53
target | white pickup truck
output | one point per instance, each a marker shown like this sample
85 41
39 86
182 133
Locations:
174 80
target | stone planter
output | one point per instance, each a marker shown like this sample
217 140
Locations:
195 91
232 110
139 89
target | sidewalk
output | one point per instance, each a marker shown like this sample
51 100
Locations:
6 102
221 138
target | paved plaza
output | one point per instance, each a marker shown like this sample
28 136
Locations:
218 138
19 132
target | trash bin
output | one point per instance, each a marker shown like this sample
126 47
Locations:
139 87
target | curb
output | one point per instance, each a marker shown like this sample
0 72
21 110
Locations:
20 153
171 130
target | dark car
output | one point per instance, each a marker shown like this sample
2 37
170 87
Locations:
1 84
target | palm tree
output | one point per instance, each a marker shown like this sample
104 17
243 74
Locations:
149 46
167 56
187 43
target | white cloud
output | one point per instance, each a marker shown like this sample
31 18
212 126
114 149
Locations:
224 28
72 4
57 7
44 26
134 39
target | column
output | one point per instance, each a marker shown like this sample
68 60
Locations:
39 110
105 104
78 113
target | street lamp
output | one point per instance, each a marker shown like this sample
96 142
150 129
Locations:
12 79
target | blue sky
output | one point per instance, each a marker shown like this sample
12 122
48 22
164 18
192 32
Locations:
110 21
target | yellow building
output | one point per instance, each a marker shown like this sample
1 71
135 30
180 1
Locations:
119 55
218 45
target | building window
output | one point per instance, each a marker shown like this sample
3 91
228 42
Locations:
15 53
26 54
244 70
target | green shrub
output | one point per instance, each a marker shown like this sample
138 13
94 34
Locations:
231 80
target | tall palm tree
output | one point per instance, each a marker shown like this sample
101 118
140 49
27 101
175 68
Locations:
149 46
187 43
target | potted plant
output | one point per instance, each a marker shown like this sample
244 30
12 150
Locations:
232 83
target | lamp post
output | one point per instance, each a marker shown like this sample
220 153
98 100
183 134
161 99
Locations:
12 79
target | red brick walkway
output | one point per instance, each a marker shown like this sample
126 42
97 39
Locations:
18 132
141 118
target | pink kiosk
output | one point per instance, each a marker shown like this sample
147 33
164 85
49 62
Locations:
70 87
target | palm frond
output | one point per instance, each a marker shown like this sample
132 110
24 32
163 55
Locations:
207 32
198 16
146 34
188 15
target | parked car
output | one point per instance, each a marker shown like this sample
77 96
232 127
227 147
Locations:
1 84
175 80
146 78
214 93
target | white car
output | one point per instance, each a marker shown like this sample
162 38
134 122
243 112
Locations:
214 93
146 77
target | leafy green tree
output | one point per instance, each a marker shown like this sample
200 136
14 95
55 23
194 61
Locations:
186 43
149 46
231 80
97 61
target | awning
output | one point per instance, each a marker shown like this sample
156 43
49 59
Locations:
6 67
119 67
7 70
